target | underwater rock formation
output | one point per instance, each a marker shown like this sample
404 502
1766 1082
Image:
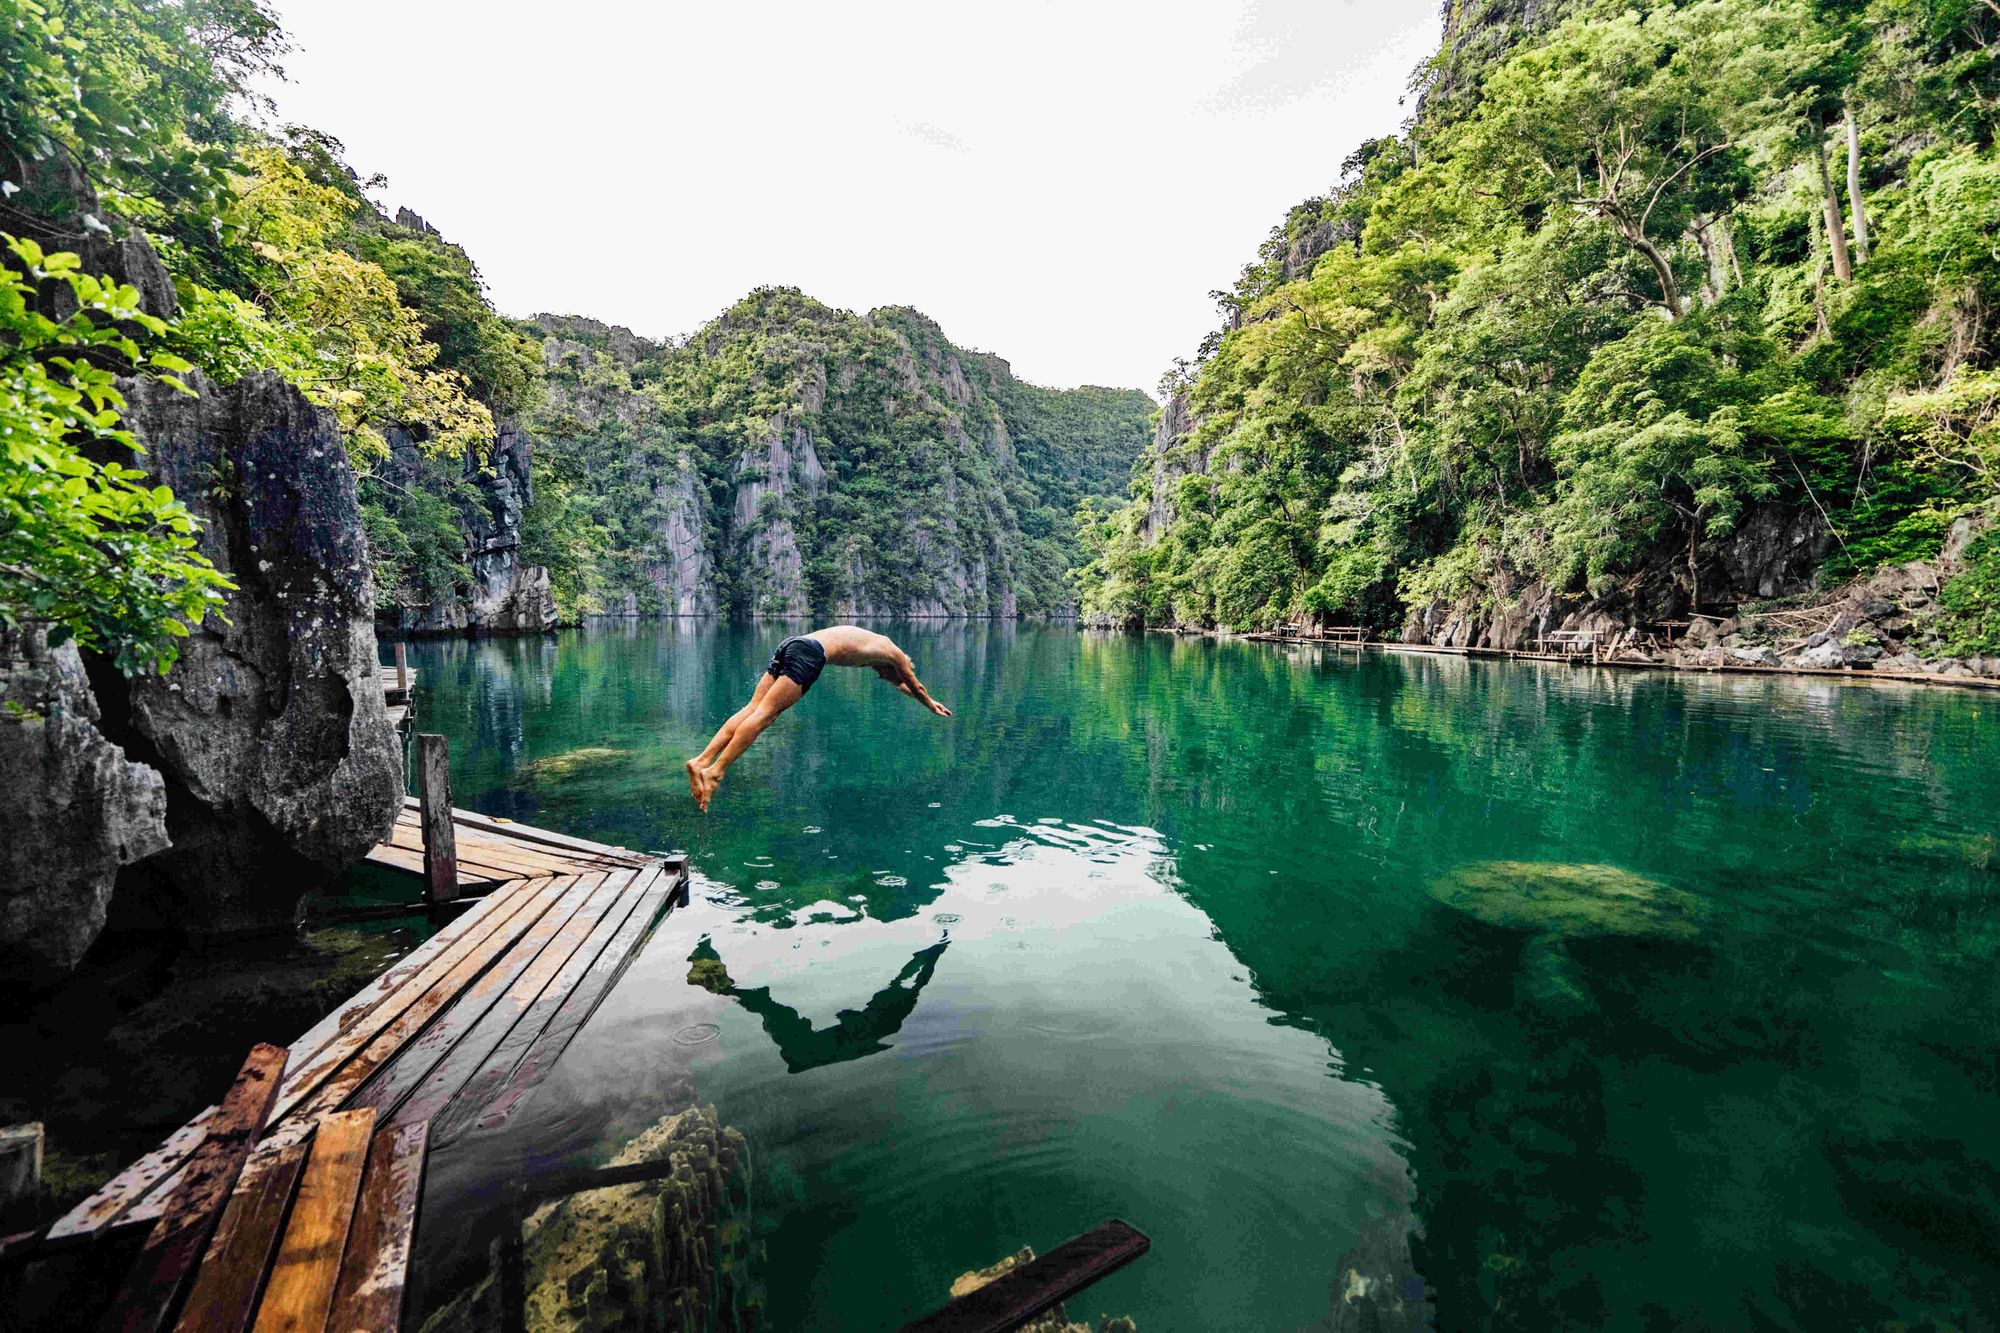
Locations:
669 1254
1556 902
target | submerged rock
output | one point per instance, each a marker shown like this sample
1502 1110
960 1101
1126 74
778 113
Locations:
81 810
668 1254
557 767
1568 900
1555 902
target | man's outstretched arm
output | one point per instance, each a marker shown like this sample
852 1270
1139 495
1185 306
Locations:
904 677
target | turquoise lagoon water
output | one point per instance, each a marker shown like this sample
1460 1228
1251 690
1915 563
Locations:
1529 997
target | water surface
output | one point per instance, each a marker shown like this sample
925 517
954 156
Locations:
1179 931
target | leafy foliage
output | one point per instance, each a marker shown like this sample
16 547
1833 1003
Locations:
1604 303
85 545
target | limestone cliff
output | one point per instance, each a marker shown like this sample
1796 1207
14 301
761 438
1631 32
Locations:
789 460
83 807
270 732
504 594
210 799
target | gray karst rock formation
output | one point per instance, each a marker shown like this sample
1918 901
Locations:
280 765
83 809
208 800
504 595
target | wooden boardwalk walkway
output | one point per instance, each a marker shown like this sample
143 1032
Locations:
292 1204
492 852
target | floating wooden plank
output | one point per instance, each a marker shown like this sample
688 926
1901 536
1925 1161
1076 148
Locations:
398 856
299 1295
157 1279
368 1297
1013 1299
543 985
412 1061
117 1196
569 1019
440 838
224 1296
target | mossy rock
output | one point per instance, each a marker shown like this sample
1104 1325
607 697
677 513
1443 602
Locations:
667 1254
570 763
1569 900
1555 902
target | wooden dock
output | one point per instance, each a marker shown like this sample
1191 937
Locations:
292 1204
492 852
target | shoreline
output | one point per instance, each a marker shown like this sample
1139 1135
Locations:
1846 674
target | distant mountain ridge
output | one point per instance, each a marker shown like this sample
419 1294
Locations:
791 459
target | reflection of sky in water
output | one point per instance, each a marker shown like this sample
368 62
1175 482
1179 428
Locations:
1057 1038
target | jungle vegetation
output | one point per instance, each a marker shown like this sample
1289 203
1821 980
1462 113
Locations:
1630 274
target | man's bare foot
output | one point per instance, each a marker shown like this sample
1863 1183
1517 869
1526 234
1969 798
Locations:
694 780
708 781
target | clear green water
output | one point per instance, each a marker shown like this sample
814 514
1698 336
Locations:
1166 930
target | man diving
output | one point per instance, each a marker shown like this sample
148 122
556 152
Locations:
794 668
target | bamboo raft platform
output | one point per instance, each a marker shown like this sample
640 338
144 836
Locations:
292 1203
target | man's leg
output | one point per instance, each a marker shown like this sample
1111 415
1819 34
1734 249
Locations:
699 764
781 694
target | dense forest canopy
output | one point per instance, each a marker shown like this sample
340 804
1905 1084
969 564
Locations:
1634 275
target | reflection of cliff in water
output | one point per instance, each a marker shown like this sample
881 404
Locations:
855 1032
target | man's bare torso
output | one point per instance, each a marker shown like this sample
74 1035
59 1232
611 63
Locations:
850 645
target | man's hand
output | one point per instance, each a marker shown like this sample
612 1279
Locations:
905 679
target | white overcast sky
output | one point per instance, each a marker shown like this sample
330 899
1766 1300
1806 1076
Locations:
1060 183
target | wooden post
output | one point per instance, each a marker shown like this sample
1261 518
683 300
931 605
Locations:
434 796
20 1166
402 669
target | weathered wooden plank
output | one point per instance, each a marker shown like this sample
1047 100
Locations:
136 1196
117 1196
529 833
410 861
368 1297
1012 1299
407 1067
157 1279
434 797
583 935
405 972
499 851
569 1019
299 1295
390 1040
432 988
224 1296
494 1071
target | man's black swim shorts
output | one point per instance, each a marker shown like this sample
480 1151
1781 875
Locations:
801 659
